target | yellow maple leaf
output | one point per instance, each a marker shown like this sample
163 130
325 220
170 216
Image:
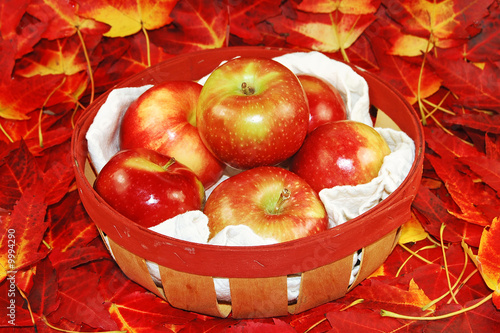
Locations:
356 7
412 231
129 17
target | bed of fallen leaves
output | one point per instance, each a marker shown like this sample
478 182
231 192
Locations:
57 56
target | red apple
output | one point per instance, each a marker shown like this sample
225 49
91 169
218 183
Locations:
273 202
344 152
164 119
148 187
252 112
325 102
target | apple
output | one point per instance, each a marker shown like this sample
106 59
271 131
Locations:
148 187
164 119
252 112
325 102
344 152
272 201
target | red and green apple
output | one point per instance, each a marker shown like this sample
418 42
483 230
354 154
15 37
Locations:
272 201
325 102
148 187
164 119
344 152
252 112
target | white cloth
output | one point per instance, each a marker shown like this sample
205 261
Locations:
103 135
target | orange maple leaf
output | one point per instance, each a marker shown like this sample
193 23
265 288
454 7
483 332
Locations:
60 56
62 19
358 7
328 32
446 22
487 259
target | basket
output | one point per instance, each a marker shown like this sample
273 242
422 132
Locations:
257 274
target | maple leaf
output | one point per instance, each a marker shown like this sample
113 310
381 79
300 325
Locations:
198 25
20 96
475 87
18 173
82 302
25 228
361 54
486 45
329 32
128 17
59 56
277 326
404 75
487 168
129 310
358 7
488 123
19 31
366 320
462 189
488 259
62 19
20 316
378 295
29 130
245 20
434 214
444 22
83 230
44 297
399 43
481 319
133 60
412 231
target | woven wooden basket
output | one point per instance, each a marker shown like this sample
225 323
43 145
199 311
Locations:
257 274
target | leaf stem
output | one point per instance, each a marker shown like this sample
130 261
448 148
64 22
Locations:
438 106
28 305
148 46
6 134
40 135
411 256
424 308
419 83
441 230
415 254
89 67
465 280
314 325
356 302
385 313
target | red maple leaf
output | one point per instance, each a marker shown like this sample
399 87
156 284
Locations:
245 21
475 87
486 45
62 19
446 21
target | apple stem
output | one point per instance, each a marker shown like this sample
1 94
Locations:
247 90
284 195
169 163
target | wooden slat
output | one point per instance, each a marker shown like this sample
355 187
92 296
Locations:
134 267
323 284
192 292
374 256
259 297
